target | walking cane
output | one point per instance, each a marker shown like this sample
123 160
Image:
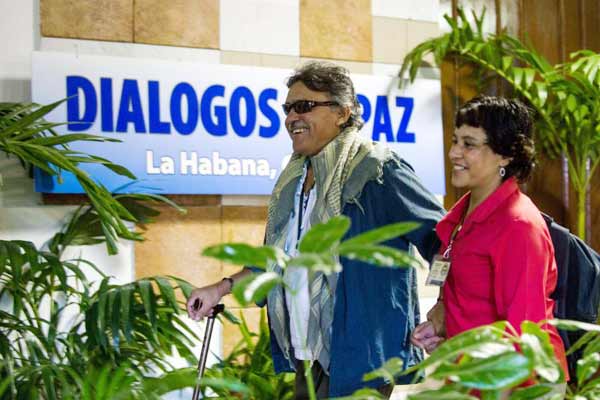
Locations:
204 353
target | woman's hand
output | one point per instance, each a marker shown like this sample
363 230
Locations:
425 337
431 333
437 315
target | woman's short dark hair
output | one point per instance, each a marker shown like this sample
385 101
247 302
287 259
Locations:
323 76
508 125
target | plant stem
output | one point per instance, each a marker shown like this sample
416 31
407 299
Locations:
581 213
310 385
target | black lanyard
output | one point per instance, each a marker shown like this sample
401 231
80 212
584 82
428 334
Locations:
301 210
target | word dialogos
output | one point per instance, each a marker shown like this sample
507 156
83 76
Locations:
142 107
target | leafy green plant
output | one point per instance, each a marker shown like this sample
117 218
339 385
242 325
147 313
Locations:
566 97
485 359
250 366
61 335
60 328
85 223
319 250
482 359
25 134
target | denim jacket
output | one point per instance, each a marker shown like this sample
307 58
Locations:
377 308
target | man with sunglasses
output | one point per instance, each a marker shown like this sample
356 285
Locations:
349 323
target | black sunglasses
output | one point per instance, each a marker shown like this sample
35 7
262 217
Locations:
304 106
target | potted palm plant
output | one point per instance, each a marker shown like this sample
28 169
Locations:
565 97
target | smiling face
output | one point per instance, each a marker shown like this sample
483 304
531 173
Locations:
311 131
475 166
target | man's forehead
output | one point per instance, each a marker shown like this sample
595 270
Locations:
299 91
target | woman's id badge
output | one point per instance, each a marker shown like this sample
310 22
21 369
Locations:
438 271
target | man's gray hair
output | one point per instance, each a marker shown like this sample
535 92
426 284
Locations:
323 76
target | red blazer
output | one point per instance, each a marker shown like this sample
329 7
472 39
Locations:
502 265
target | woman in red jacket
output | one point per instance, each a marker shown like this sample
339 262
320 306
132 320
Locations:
501 256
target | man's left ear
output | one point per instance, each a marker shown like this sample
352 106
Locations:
344 115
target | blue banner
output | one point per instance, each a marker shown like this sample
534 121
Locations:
191 128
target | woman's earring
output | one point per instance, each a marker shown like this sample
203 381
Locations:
502 172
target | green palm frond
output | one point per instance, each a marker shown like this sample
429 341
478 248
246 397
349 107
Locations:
82 325
84 226
565 97
143 314
25 134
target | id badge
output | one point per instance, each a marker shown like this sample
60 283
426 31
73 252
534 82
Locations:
438 271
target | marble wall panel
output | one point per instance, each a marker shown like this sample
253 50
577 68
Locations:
231 333
88 19
174 243
132 50
354 67
245 225
337 29
187 23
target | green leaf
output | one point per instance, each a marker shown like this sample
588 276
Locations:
387 371
229 384
593 346
530 392
114 307
587 367
517 76
100 383
498 372
571 103
382 234
529 75
536 345
67 138
325 236
542 93
582 341
185 287
49 383
244 254
471 341
120 170
316 262
102 319
260 385
147 295
570 325
486 350
170 381
168 293
381 256
229 316
126 317
507 62
490 395
441 394
363 394
256 287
